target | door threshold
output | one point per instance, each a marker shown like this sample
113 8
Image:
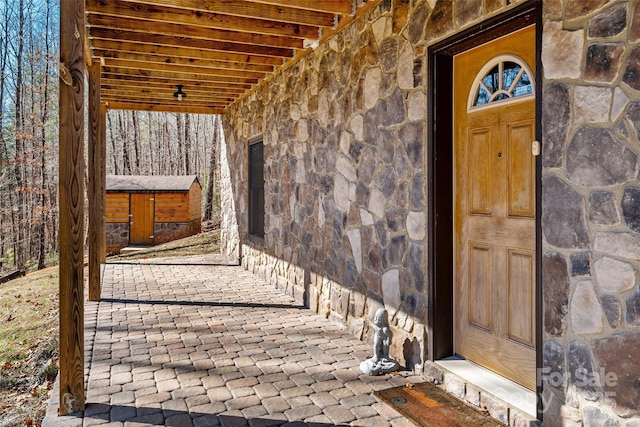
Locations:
504 399
134 248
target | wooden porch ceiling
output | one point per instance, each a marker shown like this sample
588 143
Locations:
218 50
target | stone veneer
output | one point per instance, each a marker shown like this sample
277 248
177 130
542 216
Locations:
117 236
344 131
118 233
591 212
168 231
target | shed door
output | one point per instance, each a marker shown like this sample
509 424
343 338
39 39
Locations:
142 215
495 239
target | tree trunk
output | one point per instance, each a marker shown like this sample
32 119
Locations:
180 140
187 144
114 152
19 143
126 160
136 140
149 143
196 139
4 152
31 166
43 145
168 155
208 210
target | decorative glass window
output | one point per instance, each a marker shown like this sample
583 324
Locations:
504 78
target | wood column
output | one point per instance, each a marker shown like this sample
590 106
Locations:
95 191
71 205
102 167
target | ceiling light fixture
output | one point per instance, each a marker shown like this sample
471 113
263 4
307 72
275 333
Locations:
179 93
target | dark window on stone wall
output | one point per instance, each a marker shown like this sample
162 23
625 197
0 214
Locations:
256 188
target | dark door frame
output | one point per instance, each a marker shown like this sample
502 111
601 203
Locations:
440 168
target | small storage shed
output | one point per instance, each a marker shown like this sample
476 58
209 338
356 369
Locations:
149 210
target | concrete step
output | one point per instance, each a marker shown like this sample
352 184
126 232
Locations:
133 249
504 400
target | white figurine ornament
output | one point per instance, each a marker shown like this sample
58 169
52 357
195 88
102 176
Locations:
380 363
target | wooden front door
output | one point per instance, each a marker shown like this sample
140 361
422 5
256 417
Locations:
494 206
142 219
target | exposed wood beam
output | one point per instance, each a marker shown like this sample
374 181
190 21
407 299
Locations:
155 13
94 191
346 21
282 12
193 43
181 30
192 99
102 175
115 79
166 99
121 70
165 61
71 205
219 50
124 85
86 45
342 7
167 95
109 98
190 53
115 105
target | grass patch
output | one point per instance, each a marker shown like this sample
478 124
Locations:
28 313
28 345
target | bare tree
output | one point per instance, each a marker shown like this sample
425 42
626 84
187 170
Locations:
150 145
114 151
187 145
19 137
28 201
43 145
136 140
4 152
141 143
126 159
213 161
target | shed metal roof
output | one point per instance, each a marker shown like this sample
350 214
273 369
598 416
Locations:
141 183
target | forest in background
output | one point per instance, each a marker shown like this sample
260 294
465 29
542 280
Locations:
138 143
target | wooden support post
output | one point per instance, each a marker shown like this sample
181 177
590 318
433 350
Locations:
102 167
95 191
71 205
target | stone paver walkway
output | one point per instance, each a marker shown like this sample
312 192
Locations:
204 343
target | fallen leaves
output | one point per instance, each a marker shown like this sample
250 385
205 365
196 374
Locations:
26 385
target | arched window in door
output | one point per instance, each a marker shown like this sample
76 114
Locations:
504 78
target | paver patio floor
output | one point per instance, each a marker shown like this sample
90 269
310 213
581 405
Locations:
197 342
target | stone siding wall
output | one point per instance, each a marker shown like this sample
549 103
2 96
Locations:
344 131
231 191
167 231
345 187
118 233
591 211
117 236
